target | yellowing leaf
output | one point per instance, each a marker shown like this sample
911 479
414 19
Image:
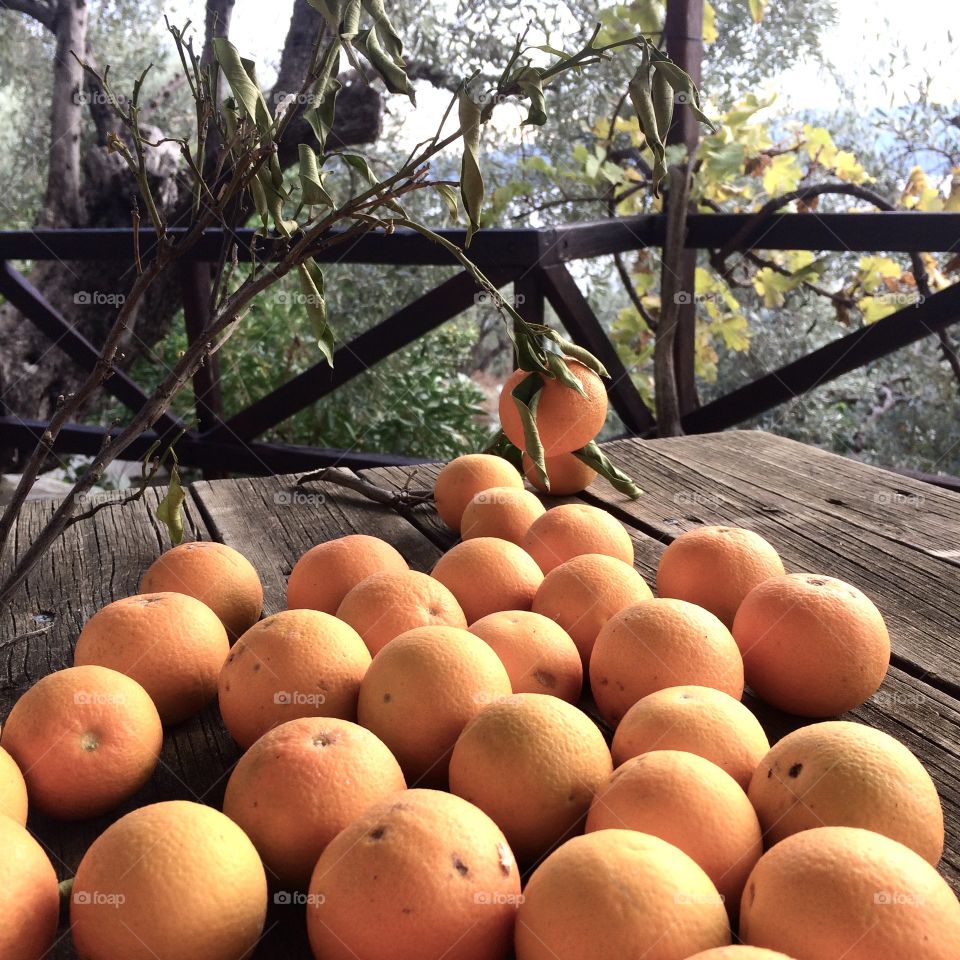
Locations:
782 175
874 270
757 9
709 23
874 309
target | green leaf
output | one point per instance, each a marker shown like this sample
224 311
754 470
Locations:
389 39
561 372
449 198
530 82
311 182
575 352
757 9
331 10
349 20
394 77
641 95
662 94
594 457
359 164
311 286
526 397
324 93
471 180
170 509
685 90
242 80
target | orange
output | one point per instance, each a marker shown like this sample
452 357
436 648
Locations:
171 644
851 893
460 480
421 691
300 784
297 663
847 775
700 720
691 803
661 643
387 604
487 575
13 789
716 567
423 875
812 645
566 420
572 529
615 894
539 655
86 739
532 763
582 594
740 952
503 512
29 895
217 575
326 573
567 474
169 881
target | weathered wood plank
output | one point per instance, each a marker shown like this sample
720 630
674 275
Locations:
688 482
272 522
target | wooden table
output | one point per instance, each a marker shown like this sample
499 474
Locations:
895 538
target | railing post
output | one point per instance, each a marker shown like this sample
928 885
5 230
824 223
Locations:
208 399
683 32
528 296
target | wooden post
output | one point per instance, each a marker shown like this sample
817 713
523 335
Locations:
684 38
208 399
528 296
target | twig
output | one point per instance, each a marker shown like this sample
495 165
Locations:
404 497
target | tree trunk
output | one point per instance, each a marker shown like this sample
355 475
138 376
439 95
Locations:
97 190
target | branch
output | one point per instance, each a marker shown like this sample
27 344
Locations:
404 497
41 11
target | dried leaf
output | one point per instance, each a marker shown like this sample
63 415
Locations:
311 182
388 37
450 199
529 81
526 396
394 76
594 457
311 286
471 180
170 509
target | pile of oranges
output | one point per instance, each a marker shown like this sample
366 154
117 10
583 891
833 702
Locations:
522 752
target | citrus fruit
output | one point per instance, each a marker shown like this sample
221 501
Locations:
847 775
603 895
811 645
691 803
700 720
300 784
29 895
217 575
661 643
503 512
387 604
170 643
716 567
740 952
582 594
422 875
174 880
460 480
572 529
297 663
532 763
421 691
538 654
567 474
566 420
487 575
324 575
86 739
846 892
13 789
